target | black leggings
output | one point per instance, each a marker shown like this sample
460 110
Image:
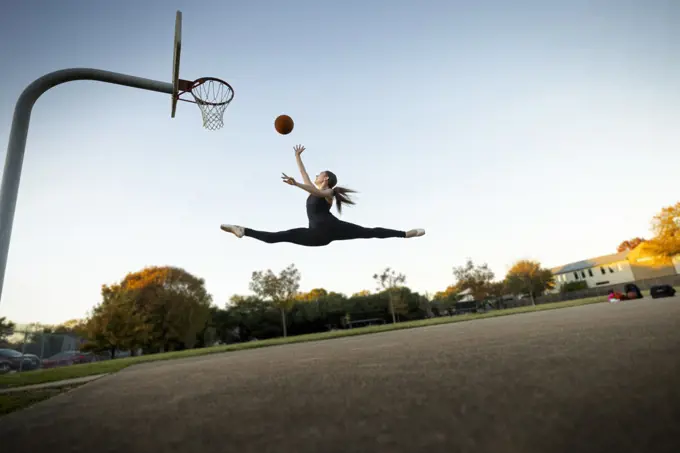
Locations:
325 234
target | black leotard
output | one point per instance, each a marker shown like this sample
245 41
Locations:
319 211
324 228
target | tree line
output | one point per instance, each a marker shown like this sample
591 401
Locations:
167 308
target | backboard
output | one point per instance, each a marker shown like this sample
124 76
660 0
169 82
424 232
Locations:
177 50
210 94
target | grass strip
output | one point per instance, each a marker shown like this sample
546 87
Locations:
10 402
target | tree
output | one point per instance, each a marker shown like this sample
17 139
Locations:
389 280
475 278
444 302
6 329
70 327
666 228
362 293
527 277
248 317
630 244
116 324
495 293
172 302
313 295
75 327
449 294
426 302
246 304
497 289
279 290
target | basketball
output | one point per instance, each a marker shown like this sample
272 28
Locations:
284 124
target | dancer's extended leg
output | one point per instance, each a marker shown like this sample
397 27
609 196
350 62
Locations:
343 231
301 236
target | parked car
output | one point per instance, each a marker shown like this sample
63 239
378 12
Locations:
11 360
68 358
659 291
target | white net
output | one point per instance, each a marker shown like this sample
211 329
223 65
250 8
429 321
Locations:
213 97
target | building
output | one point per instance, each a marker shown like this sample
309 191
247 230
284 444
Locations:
601 271
31 339
629 266
466 296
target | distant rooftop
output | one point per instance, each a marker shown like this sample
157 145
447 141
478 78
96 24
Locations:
592 262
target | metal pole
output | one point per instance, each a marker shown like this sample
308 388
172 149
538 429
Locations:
23 352
42 345
19 131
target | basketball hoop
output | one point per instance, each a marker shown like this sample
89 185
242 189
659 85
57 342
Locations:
212 96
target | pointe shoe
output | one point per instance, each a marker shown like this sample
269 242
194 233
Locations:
415 233
233 229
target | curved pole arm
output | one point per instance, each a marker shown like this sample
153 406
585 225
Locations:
19 131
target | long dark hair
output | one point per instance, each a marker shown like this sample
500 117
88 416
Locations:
339 193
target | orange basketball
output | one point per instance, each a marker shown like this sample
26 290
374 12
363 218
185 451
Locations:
284 124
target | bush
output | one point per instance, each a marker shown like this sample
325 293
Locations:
573 286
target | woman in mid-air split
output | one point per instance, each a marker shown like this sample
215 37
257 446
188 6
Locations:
324 227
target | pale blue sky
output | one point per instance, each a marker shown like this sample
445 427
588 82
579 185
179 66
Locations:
523 129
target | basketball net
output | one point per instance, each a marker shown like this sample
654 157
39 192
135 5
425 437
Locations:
212 96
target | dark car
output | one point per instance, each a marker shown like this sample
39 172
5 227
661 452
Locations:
68 358
11 360
659 291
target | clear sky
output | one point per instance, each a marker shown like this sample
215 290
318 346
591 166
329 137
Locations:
508 130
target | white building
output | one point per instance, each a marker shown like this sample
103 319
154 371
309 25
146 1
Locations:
466 296
629 266
601 271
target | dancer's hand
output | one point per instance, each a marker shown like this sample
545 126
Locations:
288 179
298 150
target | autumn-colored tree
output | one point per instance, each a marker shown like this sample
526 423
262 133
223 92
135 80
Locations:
116 324
362 293
475 278
445 301
280 289
446 295
172 302
630 244
666 228
389 281
313 295
528 277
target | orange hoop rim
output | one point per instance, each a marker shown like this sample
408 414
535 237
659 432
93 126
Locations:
187 86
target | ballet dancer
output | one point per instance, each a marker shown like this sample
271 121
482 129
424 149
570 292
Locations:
324 227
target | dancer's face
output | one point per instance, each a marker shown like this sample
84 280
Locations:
321 179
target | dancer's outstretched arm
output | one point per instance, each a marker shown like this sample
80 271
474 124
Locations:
314 190
305 177
311 188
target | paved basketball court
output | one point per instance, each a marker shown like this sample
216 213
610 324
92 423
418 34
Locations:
599 378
